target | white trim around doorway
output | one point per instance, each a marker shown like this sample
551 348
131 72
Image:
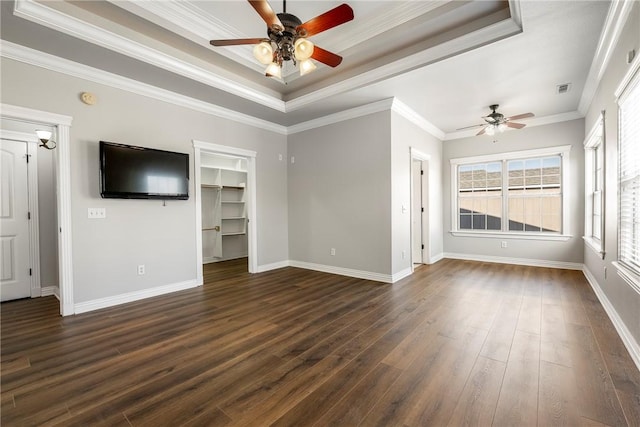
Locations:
252 228
63 182
426 237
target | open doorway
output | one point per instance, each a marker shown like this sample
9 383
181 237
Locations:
420 249
60 125
225 205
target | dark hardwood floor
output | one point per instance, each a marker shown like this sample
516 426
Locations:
457 343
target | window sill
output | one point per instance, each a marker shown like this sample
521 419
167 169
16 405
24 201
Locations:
628 275
511 235
594 245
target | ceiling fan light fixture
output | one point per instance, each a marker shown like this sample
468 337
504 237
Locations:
273 70
263 52
502 127
306 67
303 49
490 130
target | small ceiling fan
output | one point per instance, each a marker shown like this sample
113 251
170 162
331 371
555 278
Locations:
497 122
287 38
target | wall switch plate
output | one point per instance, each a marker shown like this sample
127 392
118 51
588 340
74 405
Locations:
96 213
333 251
293 159
141 270
503 244
280 157
404 254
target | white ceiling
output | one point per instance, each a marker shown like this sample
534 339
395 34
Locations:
446 60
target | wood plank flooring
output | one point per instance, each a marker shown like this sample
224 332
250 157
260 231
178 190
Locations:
457 343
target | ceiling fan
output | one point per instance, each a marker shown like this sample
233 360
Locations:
287 38
497 122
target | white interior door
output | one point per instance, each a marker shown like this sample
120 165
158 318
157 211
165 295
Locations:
416 228
14 223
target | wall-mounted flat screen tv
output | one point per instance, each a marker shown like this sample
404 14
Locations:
129 172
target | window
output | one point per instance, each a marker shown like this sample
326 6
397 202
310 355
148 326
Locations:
629 178
594 187
518 193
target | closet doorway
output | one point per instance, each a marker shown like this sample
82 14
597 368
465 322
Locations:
225 205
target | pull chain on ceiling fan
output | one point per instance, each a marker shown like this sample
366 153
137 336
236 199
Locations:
287 38
497 122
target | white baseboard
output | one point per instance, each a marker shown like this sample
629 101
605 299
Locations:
625 335
367 275
273 266
436 258
48 290
401 274
99 303
517 261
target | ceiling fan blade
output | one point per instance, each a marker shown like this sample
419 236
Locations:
266 13
470 127
484 129
520 116
233 42
515 125
326 57
336 16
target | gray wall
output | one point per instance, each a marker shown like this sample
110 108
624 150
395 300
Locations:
339 194
625 300
405 135
565 133
106 252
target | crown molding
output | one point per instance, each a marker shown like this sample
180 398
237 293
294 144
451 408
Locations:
190 21
53 63
46 16
537 121
352 113
613 26
489 34
411 115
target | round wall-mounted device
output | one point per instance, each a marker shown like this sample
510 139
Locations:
88 98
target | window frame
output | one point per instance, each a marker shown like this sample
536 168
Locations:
563 151
594 156
630 83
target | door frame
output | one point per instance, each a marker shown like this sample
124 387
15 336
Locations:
35 287
200 147
62 125
424 217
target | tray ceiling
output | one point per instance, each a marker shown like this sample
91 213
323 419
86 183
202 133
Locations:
461 56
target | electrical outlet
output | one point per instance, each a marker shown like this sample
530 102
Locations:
141 270
333 251
96 213
280 157
404 254
503 244
293 159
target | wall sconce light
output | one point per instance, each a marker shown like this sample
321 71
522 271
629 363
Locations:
45 139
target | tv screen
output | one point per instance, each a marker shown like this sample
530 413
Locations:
129 172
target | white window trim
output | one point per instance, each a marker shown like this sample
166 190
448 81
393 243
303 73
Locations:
595 138
562 150
630 80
